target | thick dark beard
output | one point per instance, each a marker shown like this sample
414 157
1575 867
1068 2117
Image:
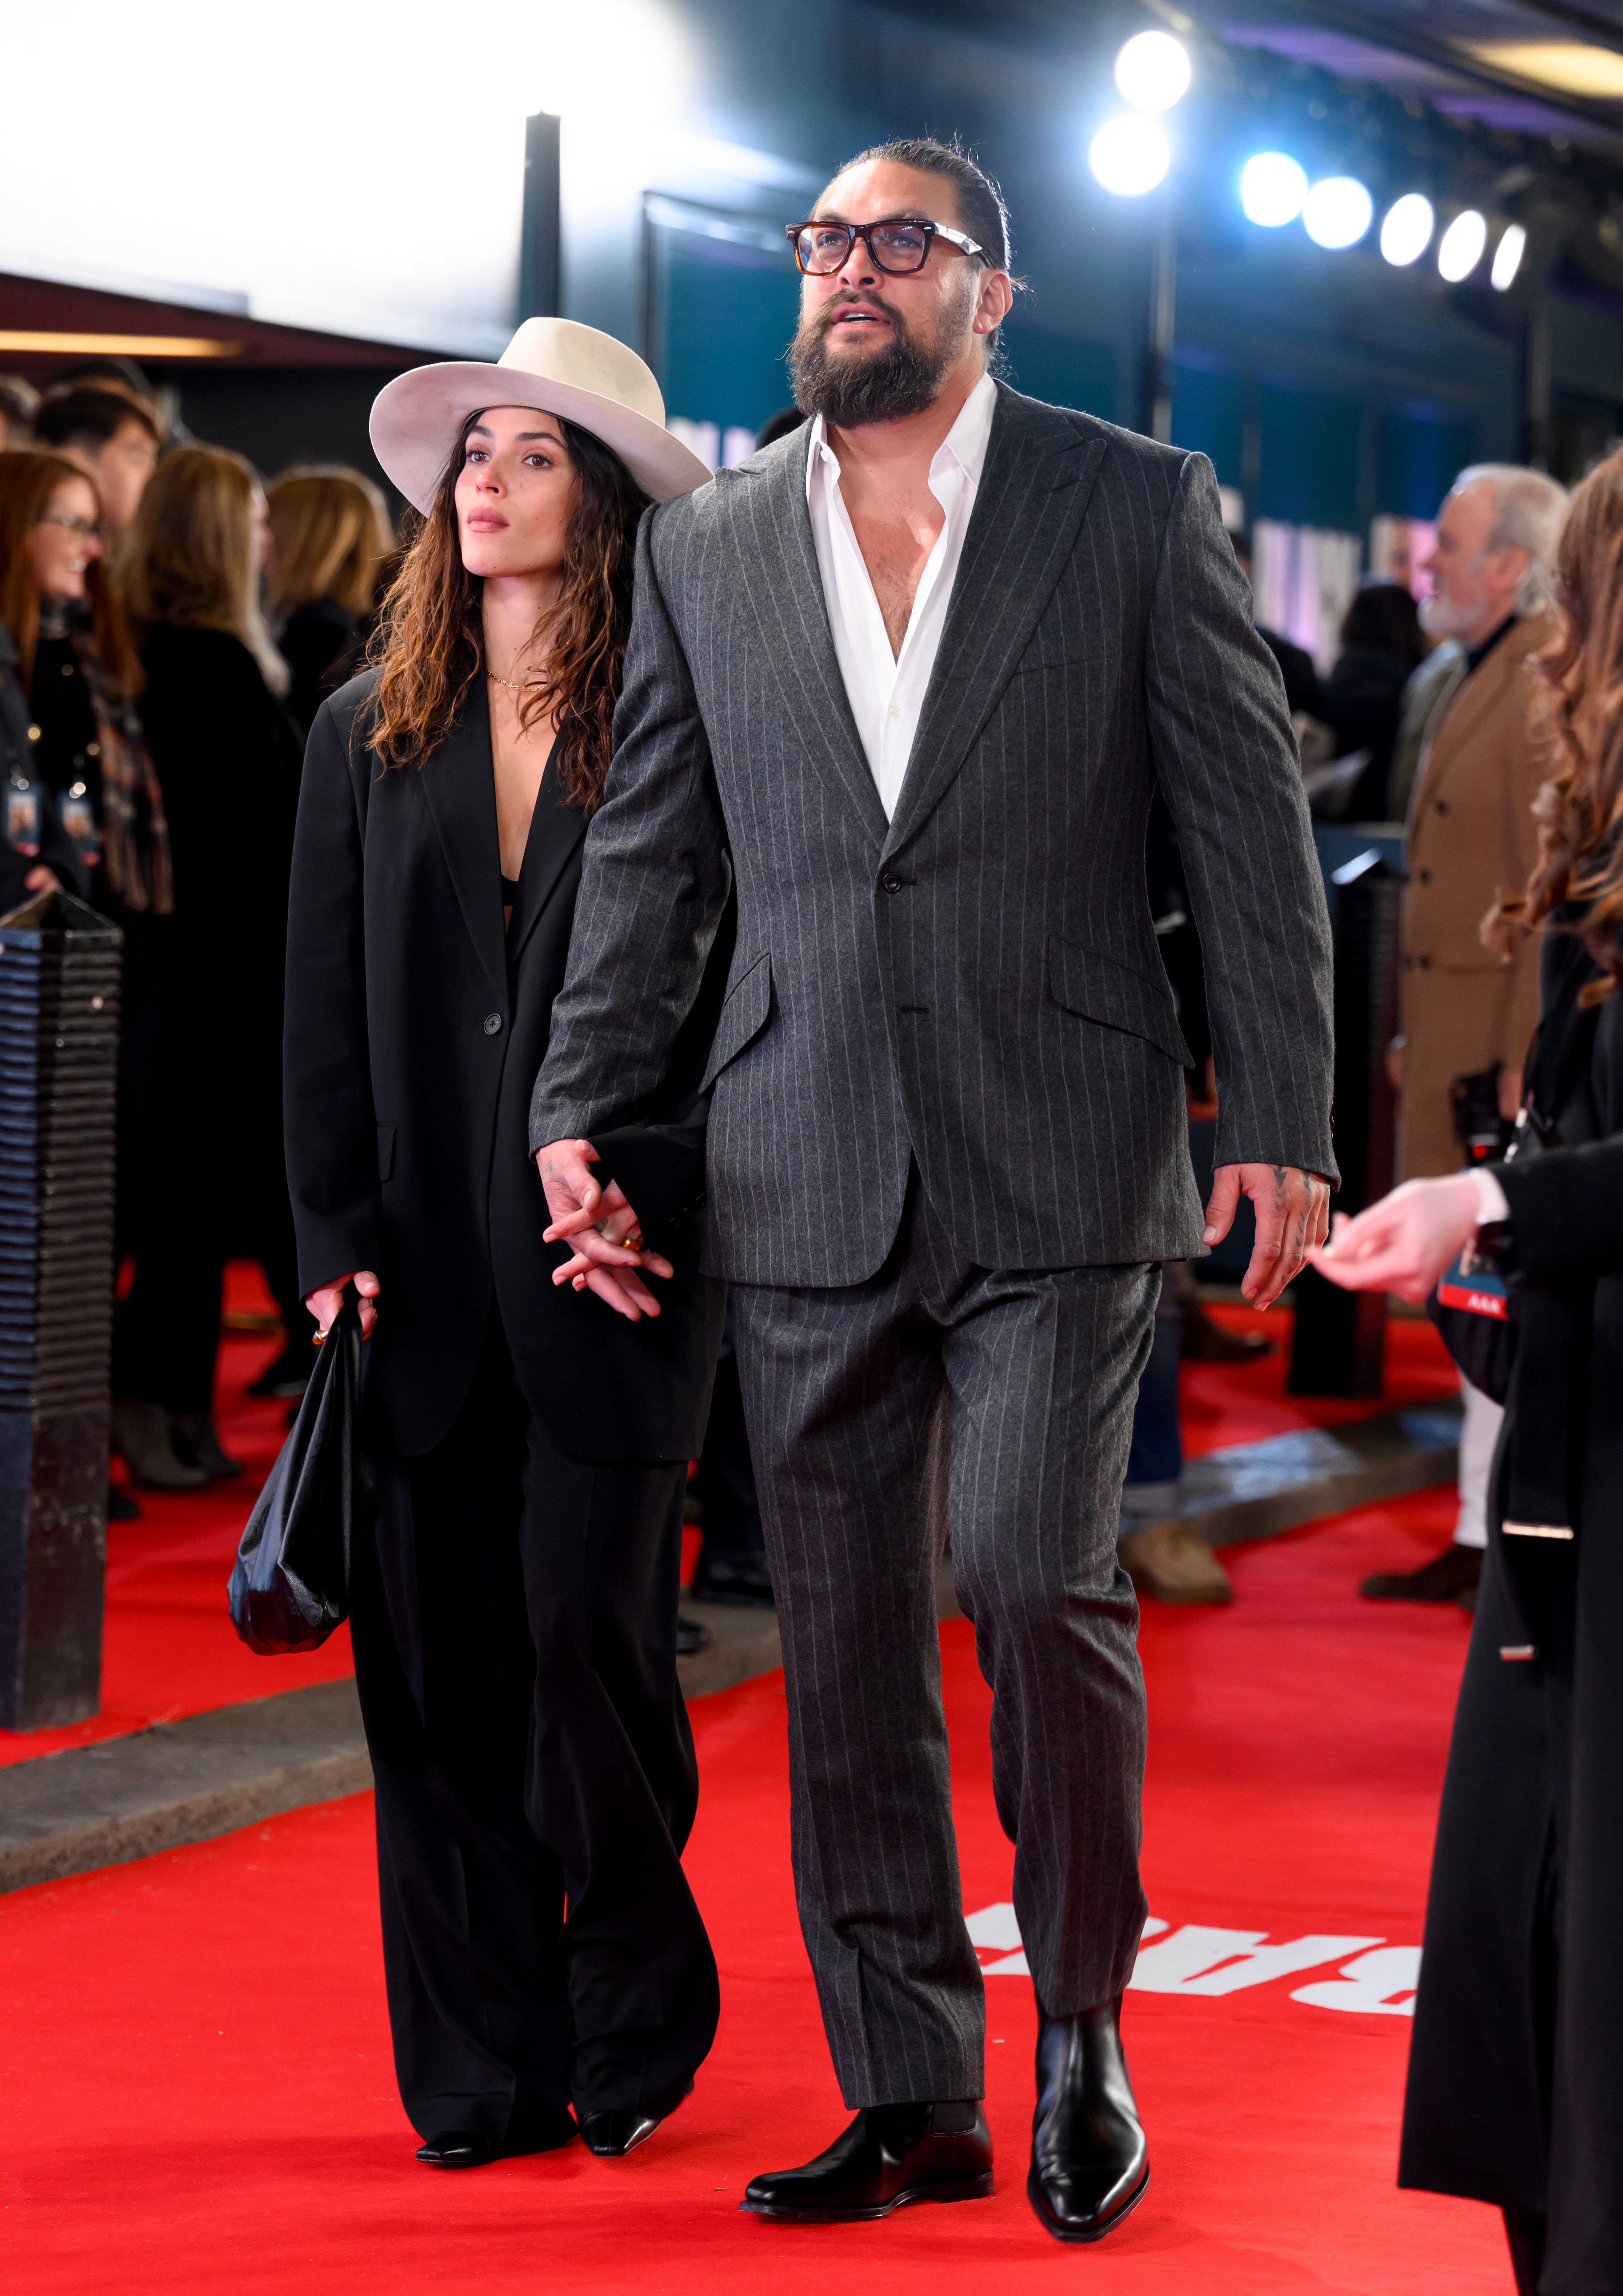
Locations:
873 386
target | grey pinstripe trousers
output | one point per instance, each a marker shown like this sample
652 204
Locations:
1009 1394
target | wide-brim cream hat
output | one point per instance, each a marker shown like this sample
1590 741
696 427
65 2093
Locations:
557 366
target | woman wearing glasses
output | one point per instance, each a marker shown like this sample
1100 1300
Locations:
514 1616
85 788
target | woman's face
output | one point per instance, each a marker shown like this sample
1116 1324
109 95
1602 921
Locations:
515 494
65 538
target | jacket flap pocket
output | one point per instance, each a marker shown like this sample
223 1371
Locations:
745 1013
385 1152
1100 987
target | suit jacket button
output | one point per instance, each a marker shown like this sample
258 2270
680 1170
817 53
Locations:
492 1024
891 883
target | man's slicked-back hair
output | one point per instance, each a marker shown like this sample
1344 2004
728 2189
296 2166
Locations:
981 212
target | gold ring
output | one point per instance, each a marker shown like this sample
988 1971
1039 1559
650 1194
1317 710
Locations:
317 1339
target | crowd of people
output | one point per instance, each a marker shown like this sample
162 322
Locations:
800 915
168 627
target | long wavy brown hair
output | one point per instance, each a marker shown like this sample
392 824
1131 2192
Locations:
1580 808
28 477
429 644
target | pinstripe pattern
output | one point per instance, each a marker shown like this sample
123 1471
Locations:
1004 1016
844 1392
926 1083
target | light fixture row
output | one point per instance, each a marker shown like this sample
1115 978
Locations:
1130 156
1337 211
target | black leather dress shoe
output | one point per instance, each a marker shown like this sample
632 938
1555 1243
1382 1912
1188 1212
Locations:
457 2148
891 2154
533 2128
611 2135
692 1636
1089 2167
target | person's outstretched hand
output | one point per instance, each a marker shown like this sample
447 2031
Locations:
1292 1219
325 1304
1405 1241
609 1251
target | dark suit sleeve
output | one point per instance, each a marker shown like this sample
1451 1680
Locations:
654 885
331 1130
1566 1212
1226 761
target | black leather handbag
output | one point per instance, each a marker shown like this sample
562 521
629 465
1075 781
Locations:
290 1586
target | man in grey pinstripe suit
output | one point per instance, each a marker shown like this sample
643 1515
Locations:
906 680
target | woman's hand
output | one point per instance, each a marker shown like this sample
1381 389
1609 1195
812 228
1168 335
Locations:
325 1304
609 1254
1405 1241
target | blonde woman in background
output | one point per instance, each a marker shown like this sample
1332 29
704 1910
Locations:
329 538
228 756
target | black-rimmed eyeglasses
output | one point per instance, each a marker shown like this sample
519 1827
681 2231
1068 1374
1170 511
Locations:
898 243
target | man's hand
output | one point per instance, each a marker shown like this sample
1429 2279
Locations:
42 880
608 1247
1292 1219
325 1304
1406 1241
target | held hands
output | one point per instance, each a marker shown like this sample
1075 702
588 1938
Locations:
325 1304
609 1251
1405 1241
1292 1217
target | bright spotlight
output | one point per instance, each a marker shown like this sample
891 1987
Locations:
1152 71
1337 211
1507 257
1405 231
1128 156
1460 249
1271 189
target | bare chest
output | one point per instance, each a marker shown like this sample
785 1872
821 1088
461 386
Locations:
895 538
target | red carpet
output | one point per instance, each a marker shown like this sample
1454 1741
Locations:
198 2092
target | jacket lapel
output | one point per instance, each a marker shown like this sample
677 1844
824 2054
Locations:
786 590
459 785
1473 701
1029 506
555 830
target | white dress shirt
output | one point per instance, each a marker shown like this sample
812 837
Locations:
886 691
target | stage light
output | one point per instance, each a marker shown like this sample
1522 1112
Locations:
1460 250
1128 156
1273 187
1405 231
1152 71
1337 211
1507 257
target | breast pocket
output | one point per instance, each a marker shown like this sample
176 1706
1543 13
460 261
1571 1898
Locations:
747 1009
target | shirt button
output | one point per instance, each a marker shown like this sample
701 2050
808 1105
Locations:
492 1024
893 884
893 711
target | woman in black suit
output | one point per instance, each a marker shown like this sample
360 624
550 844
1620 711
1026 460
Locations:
1515 2091
515 1615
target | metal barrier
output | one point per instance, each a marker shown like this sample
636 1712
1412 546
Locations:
1339 1338
59 1047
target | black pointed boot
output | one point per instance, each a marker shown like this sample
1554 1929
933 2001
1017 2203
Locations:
1089 2167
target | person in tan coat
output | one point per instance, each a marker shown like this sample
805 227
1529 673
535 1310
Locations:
1469 836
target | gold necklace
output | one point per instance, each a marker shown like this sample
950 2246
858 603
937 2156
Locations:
513 685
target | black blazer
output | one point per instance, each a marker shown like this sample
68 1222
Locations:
1515 2090
414 1034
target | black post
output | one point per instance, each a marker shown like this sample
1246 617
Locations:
58 1047
538 261
1338 1342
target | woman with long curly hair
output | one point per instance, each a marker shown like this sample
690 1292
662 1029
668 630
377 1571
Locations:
1515 2090
513 1614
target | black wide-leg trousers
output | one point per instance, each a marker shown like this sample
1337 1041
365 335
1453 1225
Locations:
1008 1394
514 1622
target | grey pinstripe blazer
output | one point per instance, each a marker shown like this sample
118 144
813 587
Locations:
975 981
